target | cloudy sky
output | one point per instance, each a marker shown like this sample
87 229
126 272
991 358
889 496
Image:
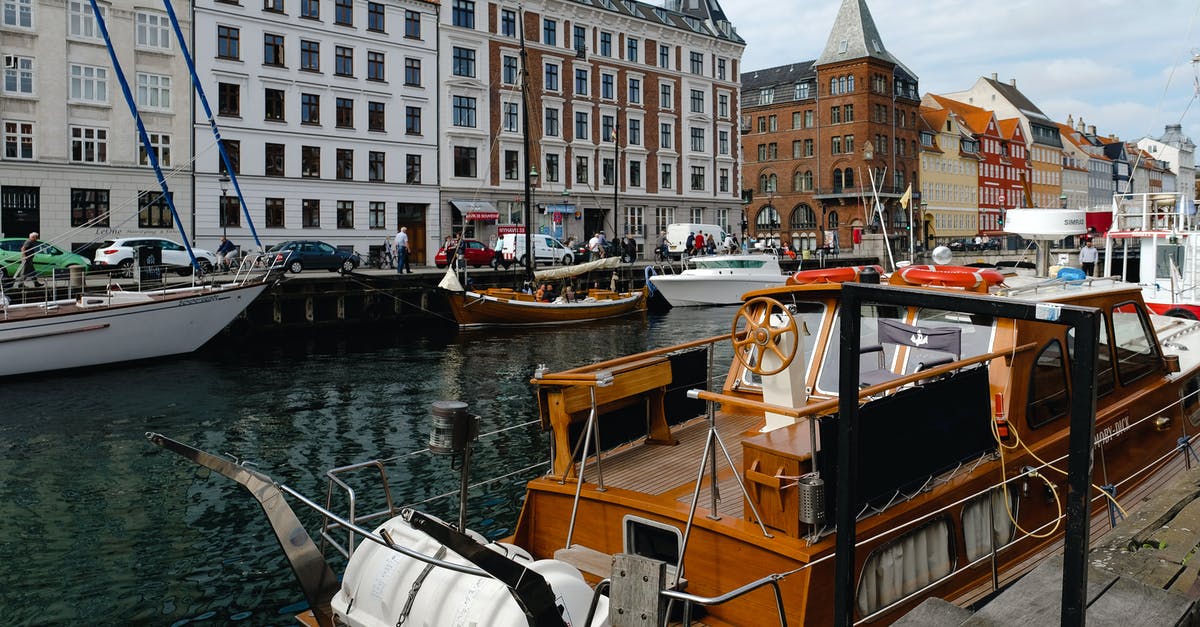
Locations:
1123 66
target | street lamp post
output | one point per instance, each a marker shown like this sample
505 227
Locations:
924 231
224 182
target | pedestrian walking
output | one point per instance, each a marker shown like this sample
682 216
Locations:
402 251
28 271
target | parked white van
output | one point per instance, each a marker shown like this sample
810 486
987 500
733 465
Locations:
677 235
546 249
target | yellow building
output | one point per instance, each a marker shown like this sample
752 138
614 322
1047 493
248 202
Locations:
949 177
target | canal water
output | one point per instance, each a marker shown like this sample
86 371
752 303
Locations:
100 527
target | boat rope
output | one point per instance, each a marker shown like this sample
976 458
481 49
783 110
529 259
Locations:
1186 446
519 471
1113 510
416 585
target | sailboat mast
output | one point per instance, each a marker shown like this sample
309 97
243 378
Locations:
529 259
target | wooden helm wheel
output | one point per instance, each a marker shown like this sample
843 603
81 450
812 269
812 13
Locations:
760 335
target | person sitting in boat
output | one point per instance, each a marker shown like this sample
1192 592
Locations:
568 294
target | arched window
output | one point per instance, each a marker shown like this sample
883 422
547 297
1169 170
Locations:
848 178
762 182
803 217
842 85
772 183
831 220
850 83
767 219
833 86
837 180
808 181
798 182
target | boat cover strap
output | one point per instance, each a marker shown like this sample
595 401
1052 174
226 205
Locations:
528 587
416 586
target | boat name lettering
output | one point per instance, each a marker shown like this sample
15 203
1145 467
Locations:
196 301
1111 431
1073 222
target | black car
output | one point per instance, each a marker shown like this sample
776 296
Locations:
300 255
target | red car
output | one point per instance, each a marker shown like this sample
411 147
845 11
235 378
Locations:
477 253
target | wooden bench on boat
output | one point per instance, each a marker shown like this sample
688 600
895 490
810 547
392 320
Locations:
566 398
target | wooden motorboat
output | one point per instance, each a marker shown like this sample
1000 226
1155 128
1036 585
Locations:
926 455
508 307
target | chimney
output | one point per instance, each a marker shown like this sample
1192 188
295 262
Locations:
994 77
1070 120
1012 81
1092 129
1081 128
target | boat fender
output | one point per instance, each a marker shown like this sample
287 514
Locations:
1071 275
951 276
842 274
648 272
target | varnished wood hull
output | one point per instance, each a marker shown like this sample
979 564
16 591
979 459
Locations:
476 309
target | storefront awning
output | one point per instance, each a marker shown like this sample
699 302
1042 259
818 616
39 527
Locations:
476 209
560 208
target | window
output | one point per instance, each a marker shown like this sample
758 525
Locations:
412 169
464 62
343 61
723 142
697 215
153 31
274 212
229 99
310 213
697 101
310 9
462 14
18 75
581 171
607 126
228 211
509 118
464 111
551 77
581 125
666 99
635 173
153 210
808 147
375 117
836 145
161 144
766 95
228 42
412 24
606 86
274 159
552 125
273 50
902 566
724 182
310 161
773 123
375 166
89 208
508 23
89 144
412 72
508 72
233 150
581 82
81 20
343 12
808 119
697 139
512 165
18 140
848 113
723 105
310 109
635 91
835 115
153 92
464 162
310 56
664 136
375 16
635 132
607 172
412 120
344 113
375 66
1134 345
549 32
698 178
345 214
720 69
89 84
18 13
697 62
606 44
580 36
667 183
1048 395
273 104
631 49
377 215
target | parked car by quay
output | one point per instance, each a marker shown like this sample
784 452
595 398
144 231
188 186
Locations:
121 253
476 253
46 259
305 254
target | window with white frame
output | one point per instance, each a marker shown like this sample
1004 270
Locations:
723 181
697 215
18 75
161 143
664 136
723 217
666 99
510 117
723 142
635 220
697 139
17 13
153 91
697 101
698 183
89 83
81 21
723 105
18 140
667 180
662 217
153 31
89 144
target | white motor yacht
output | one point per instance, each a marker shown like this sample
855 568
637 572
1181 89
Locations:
719 279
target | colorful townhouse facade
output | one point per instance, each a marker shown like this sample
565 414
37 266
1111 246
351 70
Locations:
949 177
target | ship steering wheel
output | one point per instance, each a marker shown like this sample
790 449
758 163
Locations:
761 336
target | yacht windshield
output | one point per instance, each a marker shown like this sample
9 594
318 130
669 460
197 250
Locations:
728 263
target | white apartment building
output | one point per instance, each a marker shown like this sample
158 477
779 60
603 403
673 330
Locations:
1178 152
632 117
327 109
73 166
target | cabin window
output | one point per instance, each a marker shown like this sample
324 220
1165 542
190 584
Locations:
1135 348
827 381
988 523
1048 396
1105 377
654 540
808 317
905 565
975 334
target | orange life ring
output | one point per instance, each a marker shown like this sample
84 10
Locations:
951 276
844 274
